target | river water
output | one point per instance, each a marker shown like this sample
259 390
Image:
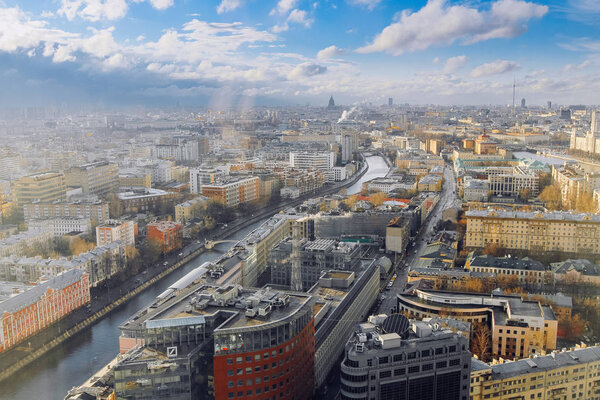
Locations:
76 359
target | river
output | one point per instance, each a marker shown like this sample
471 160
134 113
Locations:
75 360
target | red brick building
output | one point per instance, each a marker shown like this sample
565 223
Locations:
168 234
27 313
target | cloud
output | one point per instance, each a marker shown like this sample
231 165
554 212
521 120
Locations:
297 17
494 68
570 67
370 4
330 52
439 23
161 4
283 6
93 10
229 5
307 70
453 64
436 60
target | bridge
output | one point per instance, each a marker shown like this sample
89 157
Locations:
209 244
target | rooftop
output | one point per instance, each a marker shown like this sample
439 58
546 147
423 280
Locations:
548 216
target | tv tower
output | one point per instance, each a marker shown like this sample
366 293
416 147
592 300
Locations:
514 87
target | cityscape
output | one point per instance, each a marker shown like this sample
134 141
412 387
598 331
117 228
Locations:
290 199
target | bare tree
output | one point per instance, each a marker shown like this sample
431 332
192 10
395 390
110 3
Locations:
482 341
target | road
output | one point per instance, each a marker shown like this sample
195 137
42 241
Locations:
448 199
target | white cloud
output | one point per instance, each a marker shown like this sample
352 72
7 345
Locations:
494 68
453 64
93 10
570 67
161 4
329 52
370 4
439 23
436 60
229 5
297 17
283 6
307 70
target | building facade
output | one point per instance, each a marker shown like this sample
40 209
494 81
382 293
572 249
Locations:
422 363
233 191
113 230
27 313
98 178
312 160
167 233
95 211
45 187
567 232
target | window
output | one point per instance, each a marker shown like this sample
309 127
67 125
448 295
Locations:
398 357
399 371
427 367
229 361
385 374
413 370
384 360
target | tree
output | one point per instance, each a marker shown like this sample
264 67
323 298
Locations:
585 203
377 199
78 246
115 208
552 197
525 193
571 328
494 249
545 180
219 212
351 201
482 341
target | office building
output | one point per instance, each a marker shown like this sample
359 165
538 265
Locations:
98 178
113 230
96 211
203 176
315 256
349 146
567 232
519 328
61 226
312 160
568 374
396 359
31 311
44 187
135 200
219 342
514 183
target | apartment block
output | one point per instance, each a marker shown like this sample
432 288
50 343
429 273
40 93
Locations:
573 374
526 270
113 230
184 211
45 187
203 176
95 211
167 233
568 232
314 160
233 191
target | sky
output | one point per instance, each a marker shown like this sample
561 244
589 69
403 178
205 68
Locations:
222 53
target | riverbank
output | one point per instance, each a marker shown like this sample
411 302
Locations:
26 356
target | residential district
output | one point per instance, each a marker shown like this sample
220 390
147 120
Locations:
388 252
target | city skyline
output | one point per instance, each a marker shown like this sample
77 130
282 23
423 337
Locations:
241 53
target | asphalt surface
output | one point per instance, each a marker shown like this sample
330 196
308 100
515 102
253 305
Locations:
448 199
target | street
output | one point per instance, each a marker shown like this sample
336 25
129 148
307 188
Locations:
448 199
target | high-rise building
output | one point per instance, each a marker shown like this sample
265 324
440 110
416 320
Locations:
331 103
45 187
349 146
549 105
523 103
219 342
390 102
98 178
392 358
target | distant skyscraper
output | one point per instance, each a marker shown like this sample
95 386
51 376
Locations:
549 105
595 125
349 146
390 102
523 104
331 103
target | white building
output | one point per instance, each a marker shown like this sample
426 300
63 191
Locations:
113 230
335 174
203 176
317 160
61 226
349 146
476 190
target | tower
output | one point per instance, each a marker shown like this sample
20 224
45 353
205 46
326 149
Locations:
296 278
390 102
331 103
595 123
523 103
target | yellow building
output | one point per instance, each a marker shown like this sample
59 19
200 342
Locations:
564 375
132 180
567 232
185 211
97 178
43 187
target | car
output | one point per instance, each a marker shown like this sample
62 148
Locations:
180 254
166 263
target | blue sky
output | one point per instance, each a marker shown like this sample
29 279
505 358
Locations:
226 52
